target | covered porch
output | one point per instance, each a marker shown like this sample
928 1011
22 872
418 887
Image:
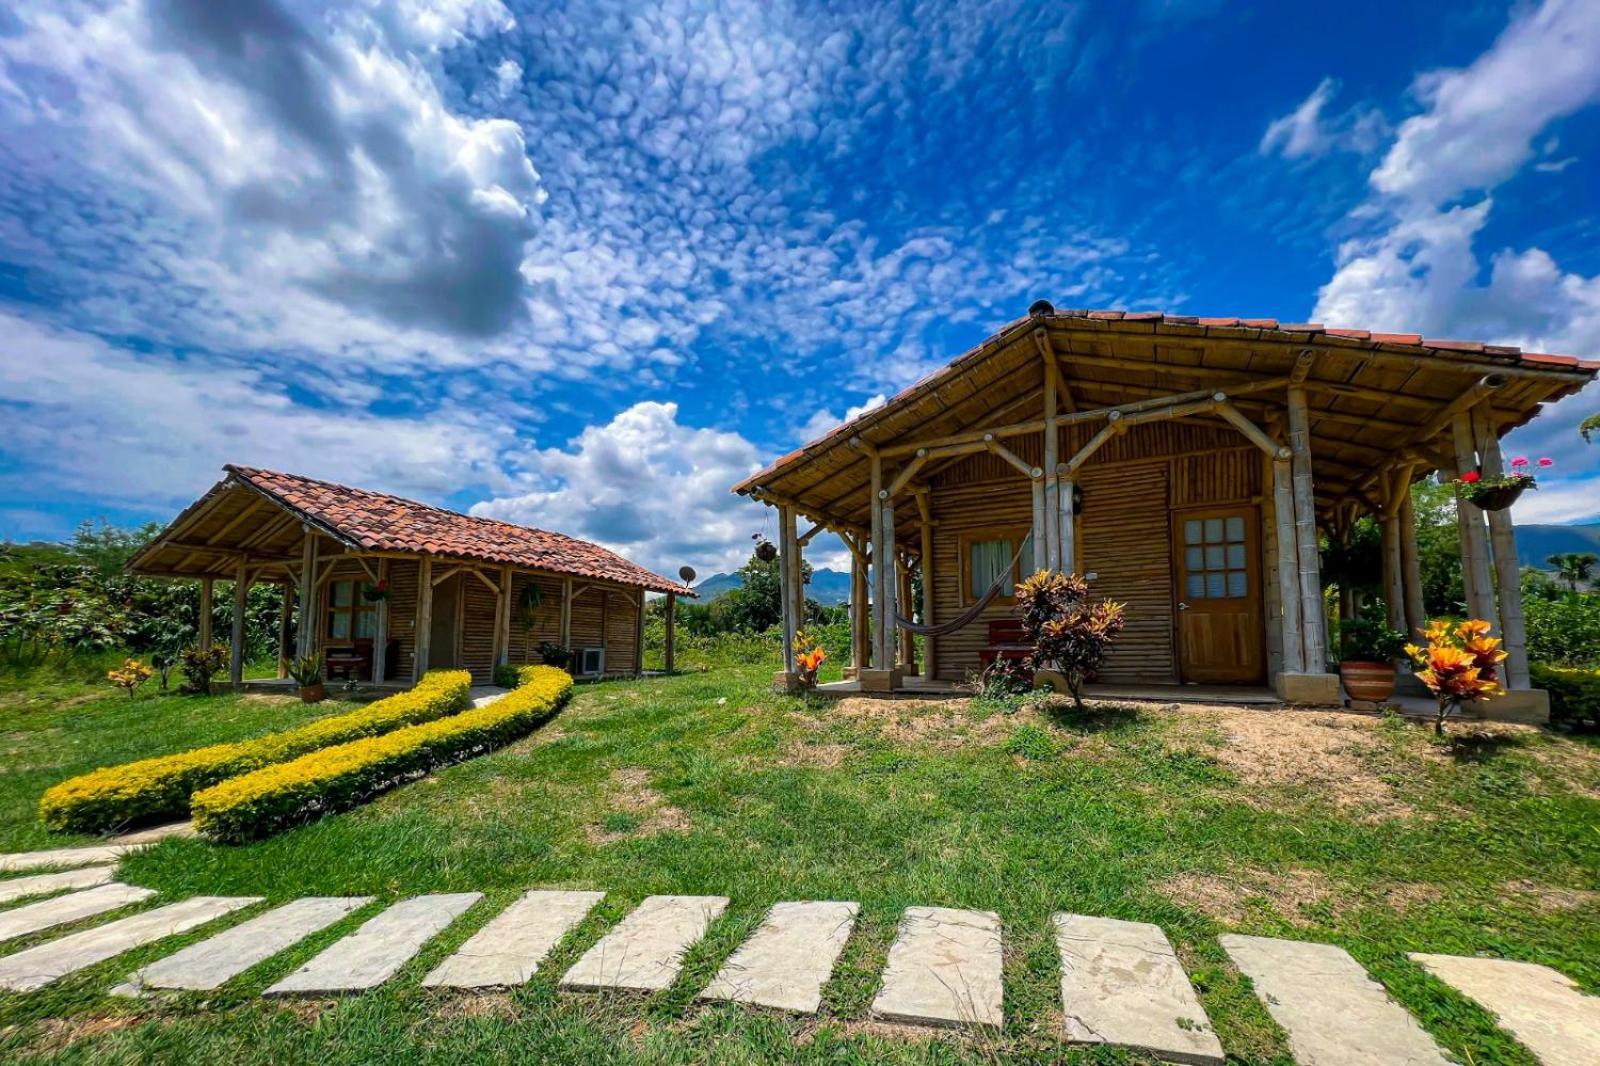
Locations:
1186 467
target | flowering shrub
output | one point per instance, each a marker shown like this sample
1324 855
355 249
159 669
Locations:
162 786
129 676
1457 664
334 778
1069 632
808 658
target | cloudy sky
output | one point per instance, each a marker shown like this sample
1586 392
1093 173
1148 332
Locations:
585 264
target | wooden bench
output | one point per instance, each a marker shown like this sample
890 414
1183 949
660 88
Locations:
1005 642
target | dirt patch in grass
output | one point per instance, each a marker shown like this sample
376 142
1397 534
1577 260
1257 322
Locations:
1539 897
56 1034
635 810
940 722
1228 897
822 756
476 1005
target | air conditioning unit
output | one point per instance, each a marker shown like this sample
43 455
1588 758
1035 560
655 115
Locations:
591 662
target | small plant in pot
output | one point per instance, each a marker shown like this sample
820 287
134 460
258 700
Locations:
307 672
1498 493
1368 650
558 655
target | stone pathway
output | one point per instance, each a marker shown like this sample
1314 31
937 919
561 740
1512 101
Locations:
44 963
47 914
1122 984
1540 1007
48 884
1334 1013
644 952
372 954
508 950
788 959
944 969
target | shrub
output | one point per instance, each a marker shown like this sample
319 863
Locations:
1363 640
129 676
1068 631
1564 629
162 786
198 666
334 778
1574 693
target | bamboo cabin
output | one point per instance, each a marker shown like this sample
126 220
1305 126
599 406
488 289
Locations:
388 588
1186 467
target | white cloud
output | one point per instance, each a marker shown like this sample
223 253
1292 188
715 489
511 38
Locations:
824 420
646 486
1308 132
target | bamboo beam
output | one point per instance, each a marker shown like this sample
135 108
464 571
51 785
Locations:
860 654
1067 511
1302 366
1289 602
1052 369
241 597
906 649
1041 560
996 448
1084 454
1475 571
1252 432
908 472
669 648
1507 572
1305 527
930 643
424 639
228 527
203 620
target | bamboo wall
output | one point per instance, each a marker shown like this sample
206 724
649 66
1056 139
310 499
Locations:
403 613
546 623
479 606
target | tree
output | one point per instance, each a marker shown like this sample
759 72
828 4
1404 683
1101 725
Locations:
1575 568
757 604
1590 427
1433 507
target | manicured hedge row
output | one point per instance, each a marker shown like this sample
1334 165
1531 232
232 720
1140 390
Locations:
161 787
258 803
1574 694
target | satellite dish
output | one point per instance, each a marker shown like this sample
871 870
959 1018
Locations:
687 574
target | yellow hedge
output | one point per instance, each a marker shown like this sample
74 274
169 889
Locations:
341 776
161 787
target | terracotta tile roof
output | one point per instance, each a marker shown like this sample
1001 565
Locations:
377 522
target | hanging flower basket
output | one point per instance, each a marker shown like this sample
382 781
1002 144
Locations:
1498 493
375 592
766 551
1499 497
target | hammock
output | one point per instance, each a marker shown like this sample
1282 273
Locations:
971 614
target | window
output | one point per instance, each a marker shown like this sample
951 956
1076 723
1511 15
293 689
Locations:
350 614
1214 561
985 557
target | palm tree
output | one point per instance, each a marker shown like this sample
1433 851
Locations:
1574 567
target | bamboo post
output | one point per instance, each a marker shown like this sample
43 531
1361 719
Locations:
1393 583
908 653
380 629
930 654
890 600
1475 574
1305 527
203 619
1294 632
1041 556
638 638
1507 572
1271 595
566 612
1411 568
285 621
502 619
306 635
786 608
880 554
419 660
1069 532
860 652
1052 484
797 574
669 644
241 598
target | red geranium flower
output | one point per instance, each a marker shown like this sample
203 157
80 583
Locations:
1470 477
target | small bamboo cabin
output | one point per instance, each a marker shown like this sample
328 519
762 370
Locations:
1185 466
388 588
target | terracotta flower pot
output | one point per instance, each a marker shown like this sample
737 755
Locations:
313 693
1373 682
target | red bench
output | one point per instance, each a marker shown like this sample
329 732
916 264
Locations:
351 660
1005 642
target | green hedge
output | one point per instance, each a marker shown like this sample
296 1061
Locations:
1574 693
161 787
335 778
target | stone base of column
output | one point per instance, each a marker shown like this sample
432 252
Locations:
1528 705
786 683
1315 689
881 680
850 673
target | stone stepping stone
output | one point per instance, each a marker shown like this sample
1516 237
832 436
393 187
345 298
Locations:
44 963
943 969
60 858
508 950
1121 983
47 884
1334 1013
49 913
212 963
644 953
375 952
1541 1007
789 958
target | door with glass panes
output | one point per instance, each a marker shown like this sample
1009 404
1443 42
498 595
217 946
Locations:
1219 625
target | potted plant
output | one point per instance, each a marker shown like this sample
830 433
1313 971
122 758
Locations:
1367 653
557 655
375 591
1498 493
766 551
307 671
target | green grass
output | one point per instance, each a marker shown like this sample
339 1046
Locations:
704 783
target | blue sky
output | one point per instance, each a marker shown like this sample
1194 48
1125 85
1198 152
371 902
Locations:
584 265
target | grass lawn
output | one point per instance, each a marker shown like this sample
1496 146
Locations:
1324 827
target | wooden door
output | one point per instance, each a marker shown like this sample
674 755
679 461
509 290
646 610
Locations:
1216 554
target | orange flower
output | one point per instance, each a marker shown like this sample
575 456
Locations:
812 660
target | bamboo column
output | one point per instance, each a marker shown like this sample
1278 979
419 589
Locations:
1041 549
1290 603
380 628
1305 529
1393 582
502 619
886 649
860 650
1411 568
670 641
306 634
203 619
285 620
1069 532
930 654
786 607
875 576
1052 483
907 649
797 574
1475 575
241 596
1507 572
419 659
566 612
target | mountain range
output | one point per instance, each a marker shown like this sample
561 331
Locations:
827 587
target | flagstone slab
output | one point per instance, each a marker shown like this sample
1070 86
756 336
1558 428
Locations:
1543 1008
46 914
212 963
44 963
644 953
508 950
1122 984
789 958
47 884
944 970
1333 1013
62 858
375 952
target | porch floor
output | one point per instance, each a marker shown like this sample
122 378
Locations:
921 688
